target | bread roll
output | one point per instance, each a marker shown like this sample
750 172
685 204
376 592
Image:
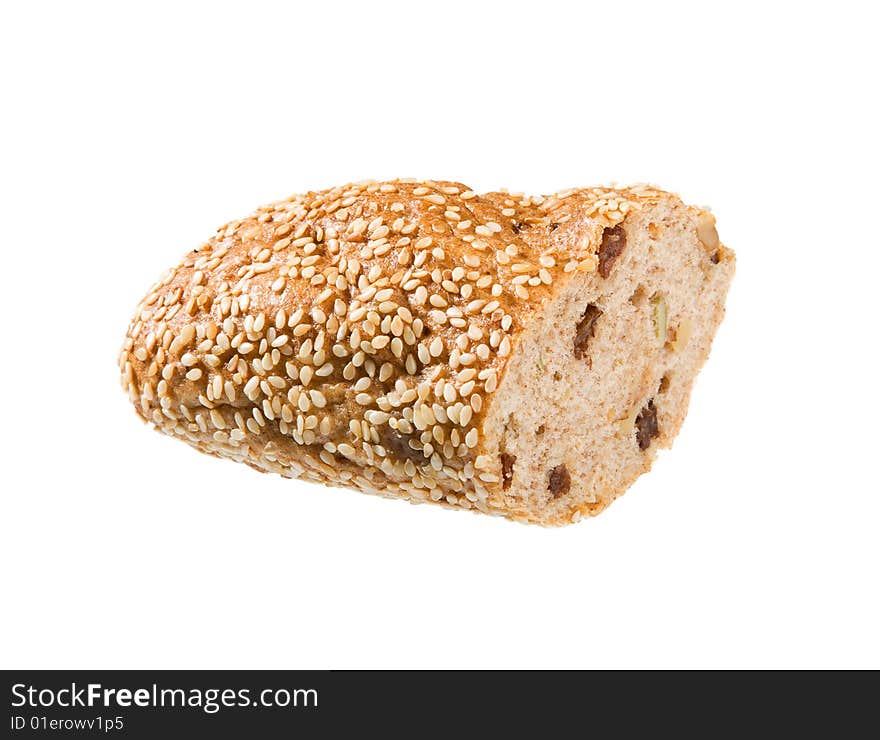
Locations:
513 355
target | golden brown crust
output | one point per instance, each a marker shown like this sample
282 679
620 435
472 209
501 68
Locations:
355 336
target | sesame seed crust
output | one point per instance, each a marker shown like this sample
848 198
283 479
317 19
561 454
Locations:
355 336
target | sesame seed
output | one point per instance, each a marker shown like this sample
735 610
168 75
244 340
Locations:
491 382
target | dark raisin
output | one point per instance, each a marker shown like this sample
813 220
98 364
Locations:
518 226
507 462
398 445
560 481
553 227
613 243
646 425
586 327
716 258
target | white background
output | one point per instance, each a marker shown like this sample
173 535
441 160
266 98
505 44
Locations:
131 131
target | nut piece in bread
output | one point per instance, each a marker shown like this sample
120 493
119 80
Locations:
515 355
